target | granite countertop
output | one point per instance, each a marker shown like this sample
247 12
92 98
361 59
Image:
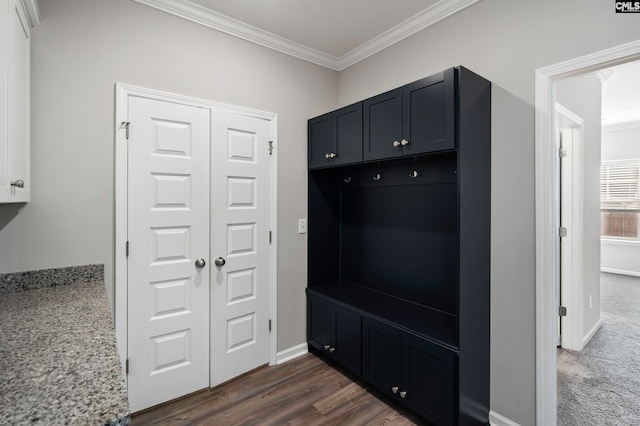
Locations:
58 358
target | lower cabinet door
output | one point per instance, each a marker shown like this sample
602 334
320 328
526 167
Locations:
348 339
382 356
427 379
319 323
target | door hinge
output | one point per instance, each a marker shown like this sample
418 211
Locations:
125 125
562 311
562 152
269 325
127 248
270 147
126 366
562 231
270 237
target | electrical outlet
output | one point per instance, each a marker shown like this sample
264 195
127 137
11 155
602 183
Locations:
302 226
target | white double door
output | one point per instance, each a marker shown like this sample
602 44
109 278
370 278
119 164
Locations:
198 236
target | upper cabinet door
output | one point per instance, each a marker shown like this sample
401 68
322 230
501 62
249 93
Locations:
429 114
335 138
383 126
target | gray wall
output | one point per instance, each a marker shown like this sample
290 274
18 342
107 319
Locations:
505 41
79 51
583 96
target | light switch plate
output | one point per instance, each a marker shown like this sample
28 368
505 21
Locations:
302 226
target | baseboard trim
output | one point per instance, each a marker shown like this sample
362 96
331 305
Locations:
496 419
592 332
291 353
620 272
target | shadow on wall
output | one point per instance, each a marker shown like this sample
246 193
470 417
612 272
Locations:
8 212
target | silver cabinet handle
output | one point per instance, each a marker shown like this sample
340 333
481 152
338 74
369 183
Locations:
403 394
200 263
396 144
404 142
220 262
394 389
18 183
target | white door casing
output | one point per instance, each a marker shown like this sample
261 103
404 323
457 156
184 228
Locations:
570 127
239 239
168 230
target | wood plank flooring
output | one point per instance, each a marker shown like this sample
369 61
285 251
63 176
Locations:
304 391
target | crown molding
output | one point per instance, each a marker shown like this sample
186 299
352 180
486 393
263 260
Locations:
424 19
33 12
201 15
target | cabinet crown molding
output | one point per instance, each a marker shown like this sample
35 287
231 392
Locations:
33 12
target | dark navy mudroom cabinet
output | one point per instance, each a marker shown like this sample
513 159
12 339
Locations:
399 243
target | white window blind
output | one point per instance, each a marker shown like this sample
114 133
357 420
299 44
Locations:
620 186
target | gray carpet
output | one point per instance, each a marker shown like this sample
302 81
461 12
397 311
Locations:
601 384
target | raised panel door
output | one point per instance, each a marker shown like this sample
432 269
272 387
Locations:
320 136
383 126
347 135
429 114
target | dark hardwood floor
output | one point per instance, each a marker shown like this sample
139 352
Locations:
304 391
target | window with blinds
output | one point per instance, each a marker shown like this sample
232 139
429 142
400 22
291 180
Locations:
620 199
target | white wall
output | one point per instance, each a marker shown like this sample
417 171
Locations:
621 142
505 41
583 96
79 51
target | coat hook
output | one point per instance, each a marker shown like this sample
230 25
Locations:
347 179
377 177
414 174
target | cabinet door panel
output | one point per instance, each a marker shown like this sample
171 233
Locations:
429 114
320 134
382 355
383 125
348 340
320 323
428 379
347 127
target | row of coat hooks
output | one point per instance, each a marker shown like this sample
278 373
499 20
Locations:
414 175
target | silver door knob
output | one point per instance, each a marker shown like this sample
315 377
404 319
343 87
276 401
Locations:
396 144
404 142
18 183
394 389
200 263
219 262
403 394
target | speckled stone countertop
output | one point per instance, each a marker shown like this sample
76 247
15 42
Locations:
58 359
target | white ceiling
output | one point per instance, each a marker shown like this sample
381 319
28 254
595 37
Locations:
621 95
331 33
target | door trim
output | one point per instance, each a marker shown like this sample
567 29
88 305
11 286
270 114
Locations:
546 222
571 267
122 93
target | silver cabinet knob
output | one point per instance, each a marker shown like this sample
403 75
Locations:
404 142
396 144
333 155
326 347
200 263
18 183
394 389
220 262
332 350
403 394
327 156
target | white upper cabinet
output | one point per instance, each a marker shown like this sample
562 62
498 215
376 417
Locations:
16 19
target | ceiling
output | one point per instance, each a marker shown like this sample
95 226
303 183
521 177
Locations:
332 33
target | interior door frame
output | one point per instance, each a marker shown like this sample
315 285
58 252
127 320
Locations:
571 266
122 94
546 222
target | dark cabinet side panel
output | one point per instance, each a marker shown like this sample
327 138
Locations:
383 125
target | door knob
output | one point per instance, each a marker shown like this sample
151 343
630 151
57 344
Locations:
220 262
200 263
17 183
